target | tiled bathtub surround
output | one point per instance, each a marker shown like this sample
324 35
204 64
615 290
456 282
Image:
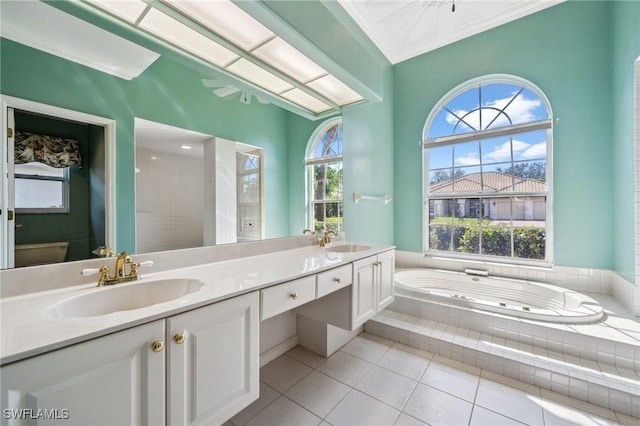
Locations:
579 279
598 363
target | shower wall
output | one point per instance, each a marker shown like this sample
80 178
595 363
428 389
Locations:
169 201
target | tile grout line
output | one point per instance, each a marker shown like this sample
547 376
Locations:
429 363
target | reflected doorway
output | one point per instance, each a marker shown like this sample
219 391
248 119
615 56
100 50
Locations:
56 202
194 189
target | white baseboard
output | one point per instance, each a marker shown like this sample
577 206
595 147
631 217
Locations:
278 350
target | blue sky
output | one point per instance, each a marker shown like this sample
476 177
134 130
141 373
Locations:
492 106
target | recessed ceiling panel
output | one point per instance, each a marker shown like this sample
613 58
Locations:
259 76
281 55
227 20
335 90
305 100
129 10
43 27
186 38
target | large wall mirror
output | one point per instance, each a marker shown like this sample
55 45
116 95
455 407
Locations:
192 189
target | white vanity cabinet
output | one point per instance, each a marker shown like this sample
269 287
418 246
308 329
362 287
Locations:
348 297
373 285
200 367
113 380
213 361
386 279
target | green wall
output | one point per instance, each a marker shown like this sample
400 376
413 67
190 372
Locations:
580 54
167 92
368 168
565 51
625 27
299 132
368 128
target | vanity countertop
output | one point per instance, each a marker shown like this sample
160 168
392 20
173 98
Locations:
27 329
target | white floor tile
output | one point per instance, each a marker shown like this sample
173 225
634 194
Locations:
267 396
407 420
367 347
284 412
510 402
556 414
438 408
578 405
344 367
627 420
347 390
483 417
283 372
451 380
358 409
306 356
387 386
318 393
405 360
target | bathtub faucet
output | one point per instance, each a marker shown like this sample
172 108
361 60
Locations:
478 272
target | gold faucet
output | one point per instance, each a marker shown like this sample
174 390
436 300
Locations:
120 275
326 238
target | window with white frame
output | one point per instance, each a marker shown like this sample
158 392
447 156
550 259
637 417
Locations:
324 177
487 162
40 188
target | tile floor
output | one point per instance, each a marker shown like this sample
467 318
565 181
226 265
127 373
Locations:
372 381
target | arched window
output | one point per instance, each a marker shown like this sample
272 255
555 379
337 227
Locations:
324 177
487 162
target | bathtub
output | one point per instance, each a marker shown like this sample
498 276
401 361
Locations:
512 297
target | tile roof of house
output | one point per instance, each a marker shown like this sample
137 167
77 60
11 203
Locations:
493 182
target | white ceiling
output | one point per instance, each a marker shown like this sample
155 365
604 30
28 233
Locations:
402 29
161 137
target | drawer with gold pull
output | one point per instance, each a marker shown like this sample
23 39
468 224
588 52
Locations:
334 279
283 297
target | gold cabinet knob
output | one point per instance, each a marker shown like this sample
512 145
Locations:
179 338
337 280
377 263
157 345
294 295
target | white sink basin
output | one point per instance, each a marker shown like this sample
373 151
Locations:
348 248
127 297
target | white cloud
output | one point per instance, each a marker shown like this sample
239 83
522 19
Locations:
538 150
521 150
470 159
520 110
503 152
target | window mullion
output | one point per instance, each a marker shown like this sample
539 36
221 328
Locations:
487 134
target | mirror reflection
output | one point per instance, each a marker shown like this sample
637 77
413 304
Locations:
56 188
194 189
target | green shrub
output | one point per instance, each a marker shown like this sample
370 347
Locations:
528 243
440 237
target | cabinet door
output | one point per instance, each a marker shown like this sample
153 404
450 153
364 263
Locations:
386 279
214 372
363 292
113 380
